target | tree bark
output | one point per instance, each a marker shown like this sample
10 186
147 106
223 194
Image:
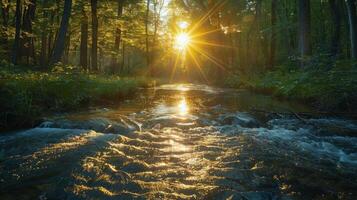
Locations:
304 29
94 35
27 46
44 44
273 34
118 33
352 19
335 8
5 8
147 34
83 60
59 45
16 47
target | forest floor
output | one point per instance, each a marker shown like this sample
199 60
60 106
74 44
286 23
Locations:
27 96
333 90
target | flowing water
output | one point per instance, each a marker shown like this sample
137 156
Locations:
183 142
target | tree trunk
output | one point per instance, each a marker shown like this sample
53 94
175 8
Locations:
59 45
335 6
117 38
5 8
27 46
147 34
94 35
304 29
16 47
273 34
43 54
352 19
83 61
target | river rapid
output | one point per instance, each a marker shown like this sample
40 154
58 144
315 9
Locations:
183 141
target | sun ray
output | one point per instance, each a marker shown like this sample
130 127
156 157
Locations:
209 57
211 44
205 33
198 65
175 66
206 16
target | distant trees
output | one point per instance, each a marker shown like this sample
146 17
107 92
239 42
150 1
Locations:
249 36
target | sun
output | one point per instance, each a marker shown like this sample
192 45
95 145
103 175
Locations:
182 41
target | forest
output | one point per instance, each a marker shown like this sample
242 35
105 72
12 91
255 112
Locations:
137 70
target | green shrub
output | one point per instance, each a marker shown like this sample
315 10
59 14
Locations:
26 96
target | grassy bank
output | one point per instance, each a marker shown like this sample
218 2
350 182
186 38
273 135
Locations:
28 96
333 90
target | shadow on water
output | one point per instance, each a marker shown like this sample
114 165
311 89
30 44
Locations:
183 141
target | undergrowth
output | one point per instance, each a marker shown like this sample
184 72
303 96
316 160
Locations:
28 95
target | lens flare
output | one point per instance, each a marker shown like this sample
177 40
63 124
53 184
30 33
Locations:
182 40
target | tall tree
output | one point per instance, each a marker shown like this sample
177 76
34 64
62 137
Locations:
27 46
304 29
16 47
44 44
335 8
147 34
118 33
94 55
273 33
83 61
5 14
352 19
59 45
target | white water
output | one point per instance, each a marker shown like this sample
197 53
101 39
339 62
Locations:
182 142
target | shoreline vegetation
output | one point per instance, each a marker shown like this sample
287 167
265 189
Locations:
28 96
328 91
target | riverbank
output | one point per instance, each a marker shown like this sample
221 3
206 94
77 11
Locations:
26 97
333 90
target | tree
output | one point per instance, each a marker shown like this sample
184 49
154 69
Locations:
335 7
304 29
83 60
147 34
5 8
118 33
273 33
94 55
16 47
27 46
352 19
59 45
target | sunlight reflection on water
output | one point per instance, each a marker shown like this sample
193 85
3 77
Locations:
182 107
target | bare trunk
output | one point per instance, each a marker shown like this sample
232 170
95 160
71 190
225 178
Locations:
27 46
59 45
335 6
117 37
304 29
147 34
352 18
94 35
5 8
84 41
16 47
273 34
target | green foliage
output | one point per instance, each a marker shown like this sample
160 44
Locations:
26 96
331 89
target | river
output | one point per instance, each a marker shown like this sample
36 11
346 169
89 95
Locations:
183 141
